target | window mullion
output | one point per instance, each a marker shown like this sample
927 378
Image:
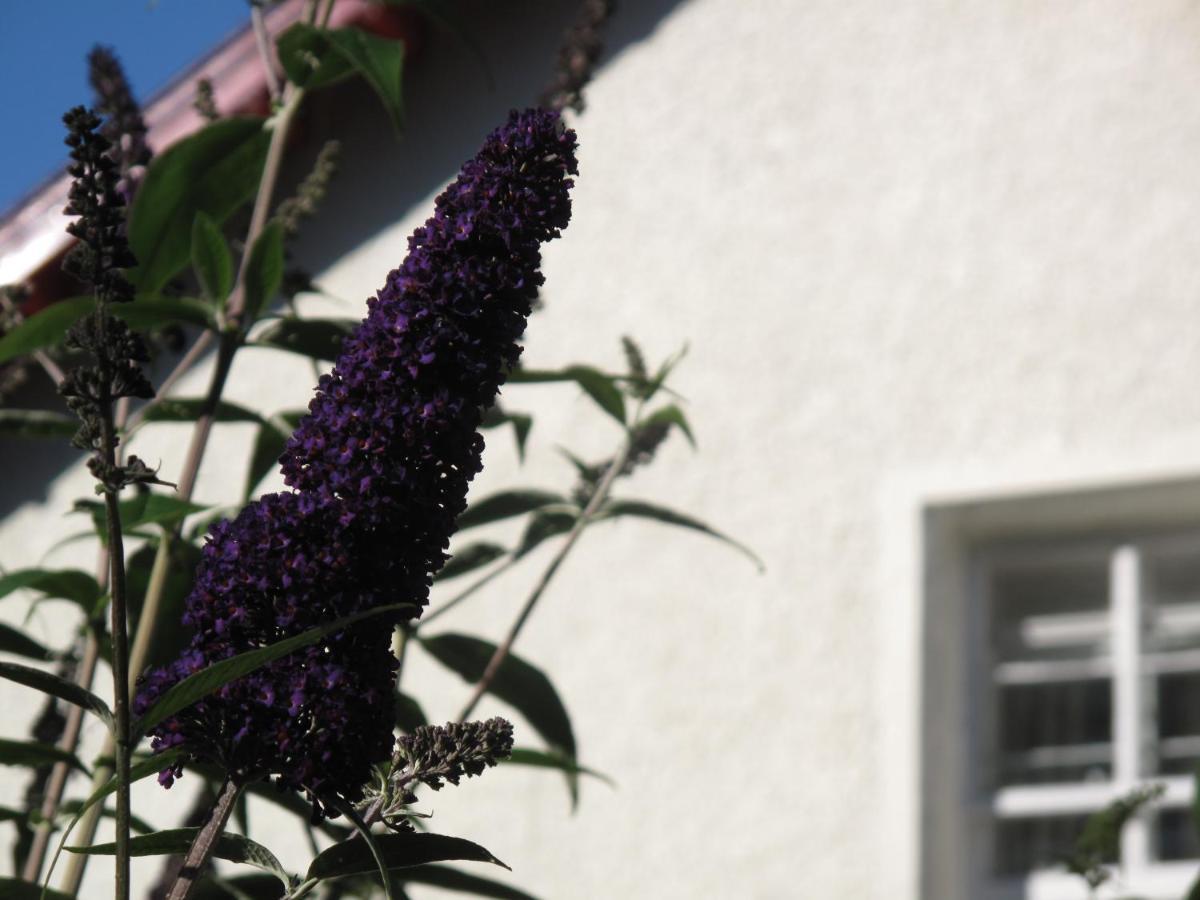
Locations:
1126 613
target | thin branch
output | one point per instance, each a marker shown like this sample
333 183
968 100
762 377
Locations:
469 591
585 517
187 361
263 39
52 369
204 844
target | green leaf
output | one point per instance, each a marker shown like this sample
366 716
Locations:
517 683
233 847
20 644
269 443
545 524
142 510
542 759
243 887
399 851
673 415
211 259
49 327
49 683
525 756
16 889
264 271
204 682
364 831
641 509
34 754
409 715
600 387
505 505
308 58
453 880
320 339
470 558
67 584
379 60
187 409
522 424
144 769
213 171
37 423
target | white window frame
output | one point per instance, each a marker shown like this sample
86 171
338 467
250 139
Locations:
1133 728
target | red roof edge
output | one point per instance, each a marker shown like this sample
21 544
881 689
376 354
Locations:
33 239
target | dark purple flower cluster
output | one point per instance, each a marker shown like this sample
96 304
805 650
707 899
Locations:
379 468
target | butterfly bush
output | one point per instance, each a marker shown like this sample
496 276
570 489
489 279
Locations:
378 471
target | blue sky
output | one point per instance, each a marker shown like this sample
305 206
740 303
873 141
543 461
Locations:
43 45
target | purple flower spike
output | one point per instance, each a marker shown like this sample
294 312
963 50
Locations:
379 470
393 432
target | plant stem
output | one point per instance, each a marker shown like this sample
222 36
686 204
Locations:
585 517
205 842
230 342
471 589
120 662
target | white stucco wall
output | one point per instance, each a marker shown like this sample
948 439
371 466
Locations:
920 252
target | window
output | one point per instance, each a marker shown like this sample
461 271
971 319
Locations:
1090 675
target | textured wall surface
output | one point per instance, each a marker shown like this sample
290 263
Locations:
918 251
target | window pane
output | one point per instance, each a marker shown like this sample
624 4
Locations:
1023 845
1176 835
1060 731
1172 582
1049 612
1178 723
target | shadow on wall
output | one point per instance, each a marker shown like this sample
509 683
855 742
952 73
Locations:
455 98
456 94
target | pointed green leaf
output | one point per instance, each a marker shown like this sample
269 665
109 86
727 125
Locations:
519 684
399 851
34 754
545 524
37 423
187 409
213 171
544 759
522 424
641 509
204 682
600 387
505 505
320 339
67 584
241 887
211 259
48 327
142 510
144 769
21 644
525 756
16 889
264 271
309 60
453 880
49 683
409 715
379 60
673 415
171 841
470 558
